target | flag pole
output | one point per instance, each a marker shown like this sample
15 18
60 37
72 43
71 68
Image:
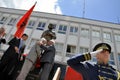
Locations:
35 2
83 9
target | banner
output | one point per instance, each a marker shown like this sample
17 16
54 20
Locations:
23 22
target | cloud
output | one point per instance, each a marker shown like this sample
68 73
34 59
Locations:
2 4
6 3
50 6
17 3
57 9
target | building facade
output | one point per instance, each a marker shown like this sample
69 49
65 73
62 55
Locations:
74 35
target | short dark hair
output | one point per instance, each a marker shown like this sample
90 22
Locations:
25 35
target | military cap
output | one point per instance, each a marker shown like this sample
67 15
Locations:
50 26
103 46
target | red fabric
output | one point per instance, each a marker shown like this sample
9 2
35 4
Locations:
23 22
37 64
72 75
25 54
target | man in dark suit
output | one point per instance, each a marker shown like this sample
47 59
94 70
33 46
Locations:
48 54
47 60
12 55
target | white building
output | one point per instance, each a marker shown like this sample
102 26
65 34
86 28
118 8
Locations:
74 35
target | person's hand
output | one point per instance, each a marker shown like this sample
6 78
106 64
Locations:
93 54
21 58
42 41
16 49
39 42
52 42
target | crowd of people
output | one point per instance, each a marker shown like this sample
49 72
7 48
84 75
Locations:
43 51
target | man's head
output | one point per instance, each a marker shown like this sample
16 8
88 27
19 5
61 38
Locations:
24 37
50 26
103 56
43 41
2 30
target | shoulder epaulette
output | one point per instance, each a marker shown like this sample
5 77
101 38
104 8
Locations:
87 56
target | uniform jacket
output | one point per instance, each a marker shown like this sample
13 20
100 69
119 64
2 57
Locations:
92 71
49 54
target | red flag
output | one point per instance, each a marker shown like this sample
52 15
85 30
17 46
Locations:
71 74
23 22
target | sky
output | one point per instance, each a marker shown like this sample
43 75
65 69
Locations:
103 10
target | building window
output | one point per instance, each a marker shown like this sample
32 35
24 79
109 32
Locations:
59 47
85 32
32 42
107 36
96 34
117 37
71 50
62 29
83 50
94 59
111 61
73 30
12 21
3 19
31 24
111 56
41 26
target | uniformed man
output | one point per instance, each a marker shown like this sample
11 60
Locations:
102 70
